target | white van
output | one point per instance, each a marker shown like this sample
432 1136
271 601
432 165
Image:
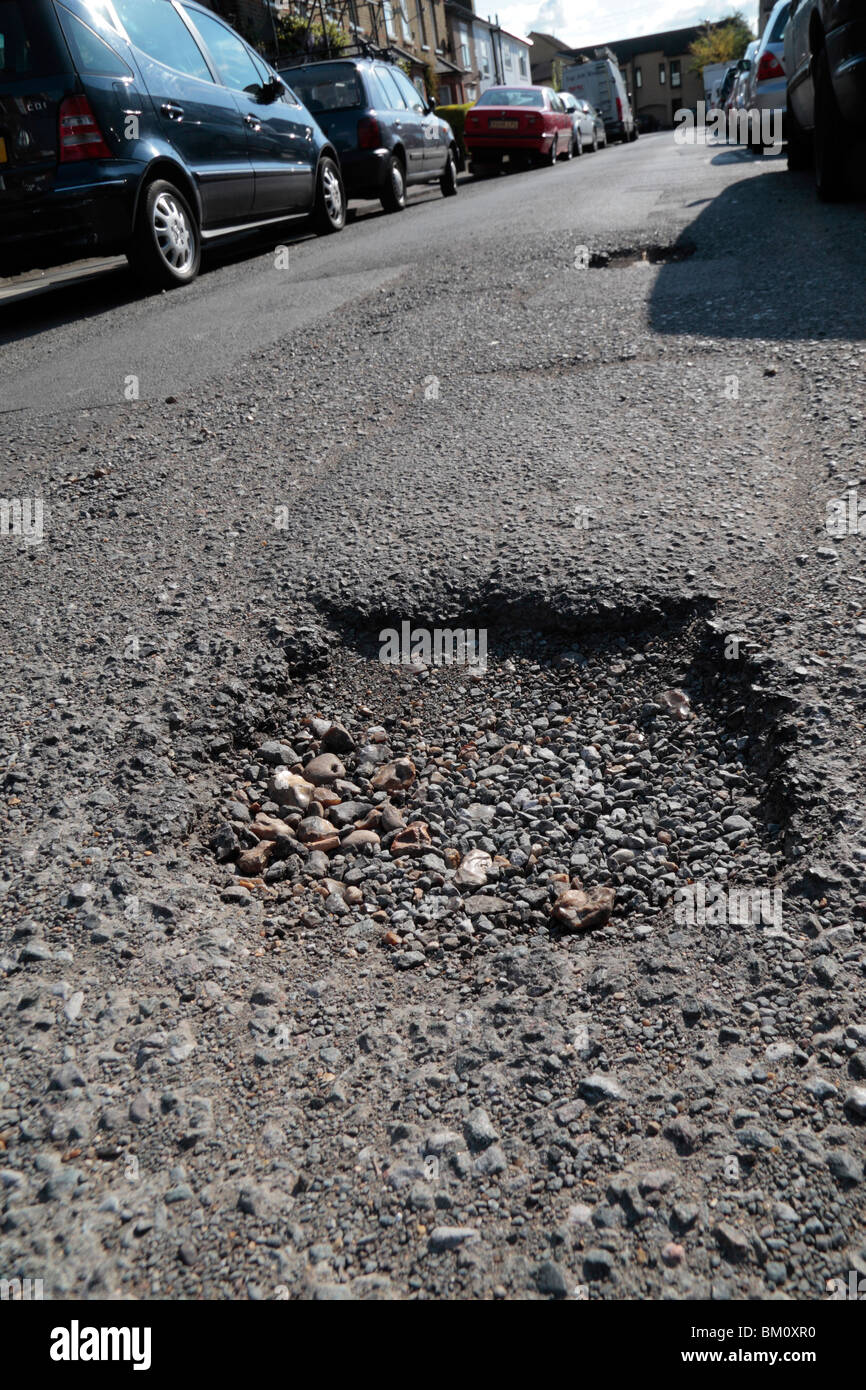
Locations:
601 84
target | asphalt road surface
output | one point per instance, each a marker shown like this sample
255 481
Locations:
601 413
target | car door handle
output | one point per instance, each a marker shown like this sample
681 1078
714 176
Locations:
252 122
172 111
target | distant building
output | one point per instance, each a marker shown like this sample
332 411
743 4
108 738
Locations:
487 54
657 69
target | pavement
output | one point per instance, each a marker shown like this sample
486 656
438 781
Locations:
599 411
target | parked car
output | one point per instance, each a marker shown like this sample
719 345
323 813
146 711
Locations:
386 133
602 84
765 81
598 122
825 67
146 127
725 86
584 123
523 122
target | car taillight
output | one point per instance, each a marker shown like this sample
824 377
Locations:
472 118
369 135
618 109
80 136
532 120
769 66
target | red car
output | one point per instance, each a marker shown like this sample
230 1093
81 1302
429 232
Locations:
522 122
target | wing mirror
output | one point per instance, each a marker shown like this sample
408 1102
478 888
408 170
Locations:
273 90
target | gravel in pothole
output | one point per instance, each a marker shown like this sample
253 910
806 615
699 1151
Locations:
561 790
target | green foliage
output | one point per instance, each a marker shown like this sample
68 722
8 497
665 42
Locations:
456 118
721 43
299 39
431 82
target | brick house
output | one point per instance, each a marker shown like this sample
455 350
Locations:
657 69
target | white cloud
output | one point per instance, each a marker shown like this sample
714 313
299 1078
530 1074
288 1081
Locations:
608 20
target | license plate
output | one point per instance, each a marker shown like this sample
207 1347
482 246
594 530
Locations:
503 125
3 156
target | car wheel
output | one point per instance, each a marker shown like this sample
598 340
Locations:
569 149
394 194
595 142
329 213
166 244
830 137
448 181
553 153
799 150
578 143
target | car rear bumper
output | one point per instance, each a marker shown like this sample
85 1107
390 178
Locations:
615 130
846 54
83 215
504 141
771 95
365 172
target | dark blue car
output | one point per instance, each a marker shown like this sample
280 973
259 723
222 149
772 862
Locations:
385 132
146 127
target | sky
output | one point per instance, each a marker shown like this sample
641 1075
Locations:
589 22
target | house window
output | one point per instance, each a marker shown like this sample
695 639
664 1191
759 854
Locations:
389 19
638 78
676 76
522 61
423 24
662 74
404 21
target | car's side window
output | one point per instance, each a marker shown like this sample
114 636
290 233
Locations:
392 91
379 100
92 55
158 30
231 55
412 96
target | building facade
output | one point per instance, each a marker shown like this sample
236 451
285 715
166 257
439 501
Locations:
657 69
455 53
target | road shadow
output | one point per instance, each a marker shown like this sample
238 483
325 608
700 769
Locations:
59 304
771 262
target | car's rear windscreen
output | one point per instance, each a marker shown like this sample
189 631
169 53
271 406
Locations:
779 27
29 42
331 87
511 96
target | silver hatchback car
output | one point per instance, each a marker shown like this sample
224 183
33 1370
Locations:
584 123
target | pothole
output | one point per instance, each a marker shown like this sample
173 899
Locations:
446 809
651 254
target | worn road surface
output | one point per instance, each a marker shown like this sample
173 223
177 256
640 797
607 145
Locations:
601 413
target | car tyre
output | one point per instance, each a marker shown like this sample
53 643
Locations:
448 181
553 155
830 142
578 143
329 213
595 142
394 194
799 145
166 245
